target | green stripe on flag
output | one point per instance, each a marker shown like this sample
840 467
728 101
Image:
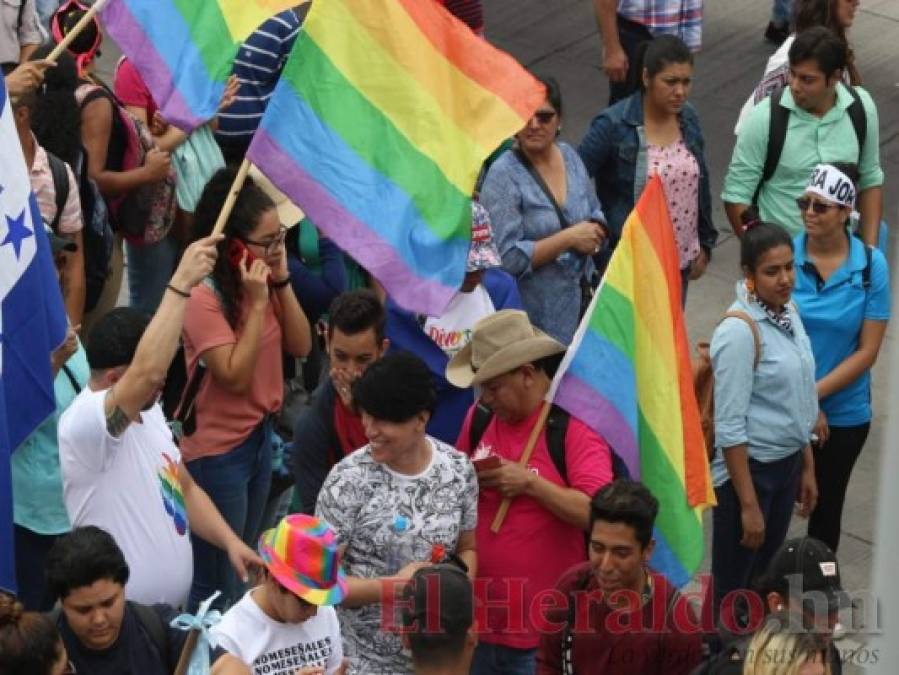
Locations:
613 319
210 35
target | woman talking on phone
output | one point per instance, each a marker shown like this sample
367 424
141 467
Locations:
236 326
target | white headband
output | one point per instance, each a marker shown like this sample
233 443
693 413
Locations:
829 182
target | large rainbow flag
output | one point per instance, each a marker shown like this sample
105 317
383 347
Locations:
378 128
184 49
628 376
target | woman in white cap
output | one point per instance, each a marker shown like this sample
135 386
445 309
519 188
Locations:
843 294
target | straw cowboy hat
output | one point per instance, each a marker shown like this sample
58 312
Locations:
499 344
289 213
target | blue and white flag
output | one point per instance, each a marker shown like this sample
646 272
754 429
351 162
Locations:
32 320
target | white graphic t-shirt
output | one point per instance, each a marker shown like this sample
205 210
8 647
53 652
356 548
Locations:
452 331
130 487
270 647
361 499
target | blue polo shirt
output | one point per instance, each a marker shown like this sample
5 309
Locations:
833 313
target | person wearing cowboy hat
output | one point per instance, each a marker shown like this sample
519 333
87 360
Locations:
486 288
543 532
287 624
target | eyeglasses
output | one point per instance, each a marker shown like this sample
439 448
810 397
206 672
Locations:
820 208
544 116
270 245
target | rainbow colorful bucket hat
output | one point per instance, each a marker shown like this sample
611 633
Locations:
301 553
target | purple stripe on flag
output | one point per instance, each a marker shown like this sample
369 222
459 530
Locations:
375 255
156 74
590 406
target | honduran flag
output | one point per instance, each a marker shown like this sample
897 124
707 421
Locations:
32 320
628 376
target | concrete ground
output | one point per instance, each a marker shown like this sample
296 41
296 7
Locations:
559 38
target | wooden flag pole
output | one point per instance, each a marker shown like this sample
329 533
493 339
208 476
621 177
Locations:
187 652
228 206
523 461
75 30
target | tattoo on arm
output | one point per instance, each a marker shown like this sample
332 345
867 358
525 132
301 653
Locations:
116 419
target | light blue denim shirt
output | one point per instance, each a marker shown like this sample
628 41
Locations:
521 216
772 409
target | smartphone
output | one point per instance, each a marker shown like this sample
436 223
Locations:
491 462
236 249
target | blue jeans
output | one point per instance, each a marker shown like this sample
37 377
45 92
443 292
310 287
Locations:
490 659
237 482
782 12
776 486
150 268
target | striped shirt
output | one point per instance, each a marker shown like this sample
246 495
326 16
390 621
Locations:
682 18
42 185
469 11
258 66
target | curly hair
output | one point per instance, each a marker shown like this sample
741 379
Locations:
252 202
55 116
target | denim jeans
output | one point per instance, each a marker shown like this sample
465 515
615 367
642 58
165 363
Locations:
150 268
490 659
31 551
782 12
776 486
237 482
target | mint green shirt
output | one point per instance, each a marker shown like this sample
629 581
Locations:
810 141
36 476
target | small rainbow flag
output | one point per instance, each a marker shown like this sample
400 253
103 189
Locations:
378 128
184 49
628 376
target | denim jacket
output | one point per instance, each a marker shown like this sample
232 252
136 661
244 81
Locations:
773 408
614 152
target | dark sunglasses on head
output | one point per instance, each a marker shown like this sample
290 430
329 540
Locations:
544 116
819 208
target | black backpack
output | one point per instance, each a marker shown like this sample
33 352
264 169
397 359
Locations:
777 133
96 235
555 430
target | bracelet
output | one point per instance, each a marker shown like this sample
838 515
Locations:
281 284
177 290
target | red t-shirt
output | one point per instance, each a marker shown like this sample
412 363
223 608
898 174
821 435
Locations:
226 419
131 90
349 430
533 547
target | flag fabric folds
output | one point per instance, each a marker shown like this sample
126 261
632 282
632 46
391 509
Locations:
184 49
32 321
378 128
628 376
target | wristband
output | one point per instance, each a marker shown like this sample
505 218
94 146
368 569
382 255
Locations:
281 284
177 291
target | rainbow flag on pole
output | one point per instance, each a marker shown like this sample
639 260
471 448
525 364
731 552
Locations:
628 376
184 49
378 128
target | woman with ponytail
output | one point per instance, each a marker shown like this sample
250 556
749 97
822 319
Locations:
765 409
237 324
29 642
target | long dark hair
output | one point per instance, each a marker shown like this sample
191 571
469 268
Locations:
252 202
810 13
56 117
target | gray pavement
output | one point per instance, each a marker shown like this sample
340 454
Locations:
559 38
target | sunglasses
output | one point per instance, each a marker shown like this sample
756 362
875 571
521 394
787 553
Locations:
820 208
544 116
270 245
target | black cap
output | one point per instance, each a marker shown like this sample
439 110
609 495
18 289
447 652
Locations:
805 565
440 598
